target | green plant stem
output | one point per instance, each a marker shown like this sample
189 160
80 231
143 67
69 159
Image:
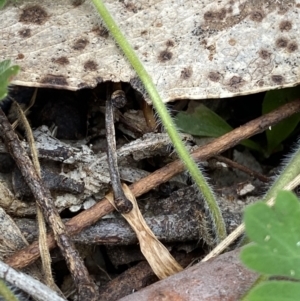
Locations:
166 119
290 170
6 293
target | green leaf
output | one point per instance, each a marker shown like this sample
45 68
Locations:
275 232
275 291
6 73
278 133
202 122
205 122
2 3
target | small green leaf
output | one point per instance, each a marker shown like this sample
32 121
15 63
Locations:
6 73
278 133
275 232
275 291
204 122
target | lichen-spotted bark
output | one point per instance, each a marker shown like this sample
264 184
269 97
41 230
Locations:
192 49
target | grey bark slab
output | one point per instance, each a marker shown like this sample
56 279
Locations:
192 49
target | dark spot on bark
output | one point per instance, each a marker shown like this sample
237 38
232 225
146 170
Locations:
165 56
101 31
213 16
99 79
131 7
90 65
212 51
170 43
76 3
277 79
230 10
285 26
54 80
204 43
257 16
281 42
143 32
293 46
186 73
261 83
298 5
236 82
63 60
80 44
264 54
20 56
82 85
34 14
232 42
283 9
25 32
214 76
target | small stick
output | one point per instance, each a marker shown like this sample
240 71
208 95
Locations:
185 227
88 217
243 168
45 252
122 204
36 289
32 102
86 288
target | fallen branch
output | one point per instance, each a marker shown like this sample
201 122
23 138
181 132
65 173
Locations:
177 218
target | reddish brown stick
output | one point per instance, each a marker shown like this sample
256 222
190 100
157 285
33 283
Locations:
243 168
86 218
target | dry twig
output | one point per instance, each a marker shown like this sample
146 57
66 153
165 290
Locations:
45 253
121 202
28 284
243 168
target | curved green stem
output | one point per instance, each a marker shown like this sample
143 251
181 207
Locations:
290 170
166 119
